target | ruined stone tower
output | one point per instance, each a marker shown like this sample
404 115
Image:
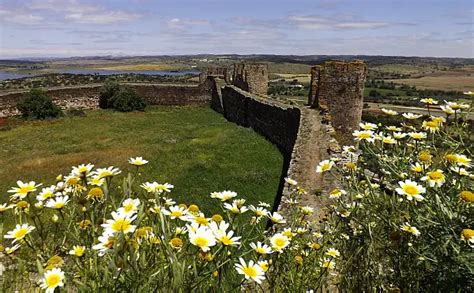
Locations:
337 89
251 77
217 72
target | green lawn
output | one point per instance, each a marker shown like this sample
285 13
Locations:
195 149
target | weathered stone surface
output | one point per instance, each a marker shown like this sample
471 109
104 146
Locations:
337 89
251 77
216 93
276 121
216 72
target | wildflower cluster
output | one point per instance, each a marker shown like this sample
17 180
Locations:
403 216
94 231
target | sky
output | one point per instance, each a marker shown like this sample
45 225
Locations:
64 28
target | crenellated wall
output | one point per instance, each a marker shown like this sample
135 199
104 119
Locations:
251 77
216 72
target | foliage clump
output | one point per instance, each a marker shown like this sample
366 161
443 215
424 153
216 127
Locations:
38 105
113 96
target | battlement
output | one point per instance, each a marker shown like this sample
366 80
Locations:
216 72
251 77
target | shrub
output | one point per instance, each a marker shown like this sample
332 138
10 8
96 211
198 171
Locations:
108 91
127 100
120 99
38 105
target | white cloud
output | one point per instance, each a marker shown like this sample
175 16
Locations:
19 17
64 11
102 17
320 22
182 24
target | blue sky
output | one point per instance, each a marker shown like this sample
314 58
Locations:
58 28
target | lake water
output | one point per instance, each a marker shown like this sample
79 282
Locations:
9 75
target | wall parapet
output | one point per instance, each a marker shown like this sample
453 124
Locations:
87 97
276 121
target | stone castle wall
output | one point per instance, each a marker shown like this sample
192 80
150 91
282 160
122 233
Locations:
337 89
87 97
251 77
276 121
304 134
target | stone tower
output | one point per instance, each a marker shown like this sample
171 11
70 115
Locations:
337 89
251 77
219 72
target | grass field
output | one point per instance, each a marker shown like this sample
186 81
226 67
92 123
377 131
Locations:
195 149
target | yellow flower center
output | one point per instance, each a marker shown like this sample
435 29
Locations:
462 160
260 250
451 157
468 233
95 193
435 175
280 242
362 135
129 207
176 214
425 157
72 181
467 196
22 204
226 240
217 218
288 234
193 208
201 221
332 253
201 241
351 166
26 189
250 271
410 189
20 233
176 242
78 251
120 225
105 174
58 205
53 280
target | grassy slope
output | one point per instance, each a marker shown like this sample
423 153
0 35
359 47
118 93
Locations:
195 149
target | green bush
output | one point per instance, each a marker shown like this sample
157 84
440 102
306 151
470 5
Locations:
127 100
38 105
120 99
108 91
